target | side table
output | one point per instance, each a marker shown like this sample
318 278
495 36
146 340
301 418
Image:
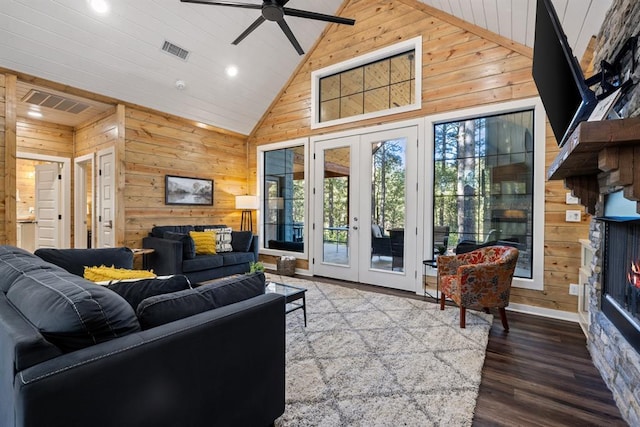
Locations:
144 253
433 263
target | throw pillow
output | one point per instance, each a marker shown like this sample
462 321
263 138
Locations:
188 247
205 242
241 241
223 239
134 291
98 274
161 309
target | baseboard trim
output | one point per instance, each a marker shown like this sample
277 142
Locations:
544 312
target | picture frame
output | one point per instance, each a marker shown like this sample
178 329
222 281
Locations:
182 190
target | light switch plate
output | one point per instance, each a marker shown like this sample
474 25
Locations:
571 200
572 216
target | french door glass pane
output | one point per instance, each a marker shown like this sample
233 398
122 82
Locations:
337 172
388 201
483 184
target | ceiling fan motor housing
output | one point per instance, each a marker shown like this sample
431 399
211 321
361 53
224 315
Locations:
272 11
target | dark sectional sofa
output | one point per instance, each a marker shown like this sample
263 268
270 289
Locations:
75 353
170 253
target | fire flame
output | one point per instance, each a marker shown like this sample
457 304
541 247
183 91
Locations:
634 276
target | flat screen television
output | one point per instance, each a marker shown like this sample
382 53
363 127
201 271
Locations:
557 74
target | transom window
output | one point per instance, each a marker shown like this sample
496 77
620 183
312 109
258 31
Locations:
387 81
381 85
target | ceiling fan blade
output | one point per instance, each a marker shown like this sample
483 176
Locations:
225 3
317 16
287 31
249 30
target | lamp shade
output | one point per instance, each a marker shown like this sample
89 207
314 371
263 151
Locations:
246 202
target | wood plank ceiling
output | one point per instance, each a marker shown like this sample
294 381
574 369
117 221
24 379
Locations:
119 55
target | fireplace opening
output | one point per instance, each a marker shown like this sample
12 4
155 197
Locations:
621 278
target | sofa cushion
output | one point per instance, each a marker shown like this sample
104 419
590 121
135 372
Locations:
74 260
188 246
15 261
69 311
205 242
233 258
134 291
202 262
161 309
159 230
241 241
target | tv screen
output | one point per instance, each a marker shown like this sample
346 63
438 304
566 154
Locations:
557 74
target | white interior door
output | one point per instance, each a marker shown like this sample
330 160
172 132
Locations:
83 197
106 199
361 181
48 209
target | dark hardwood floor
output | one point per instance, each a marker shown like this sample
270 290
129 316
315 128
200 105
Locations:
540 373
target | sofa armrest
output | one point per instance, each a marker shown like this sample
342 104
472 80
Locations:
255 247
221 367
167 258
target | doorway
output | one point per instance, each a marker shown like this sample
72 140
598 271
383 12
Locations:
42 201
365 211
83 198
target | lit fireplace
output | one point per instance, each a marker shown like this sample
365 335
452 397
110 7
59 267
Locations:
621 278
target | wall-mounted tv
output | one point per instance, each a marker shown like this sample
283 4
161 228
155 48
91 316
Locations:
558 76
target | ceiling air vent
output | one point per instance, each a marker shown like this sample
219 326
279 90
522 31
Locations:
57 102
175 50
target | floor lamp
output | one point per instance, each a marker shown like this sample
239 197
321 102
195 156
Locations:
247 204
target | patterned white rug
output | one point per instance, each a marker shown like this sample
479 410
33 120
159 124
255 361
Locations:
370 359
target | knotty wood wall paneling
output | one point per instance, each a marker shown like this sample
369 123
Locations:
463 66
158 144
3 113
9 227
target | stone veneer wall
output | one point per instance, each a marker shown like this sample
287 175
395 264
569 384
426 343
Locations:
617 361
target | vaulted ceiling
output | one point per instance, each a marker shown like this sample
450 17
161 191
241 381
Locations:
119 54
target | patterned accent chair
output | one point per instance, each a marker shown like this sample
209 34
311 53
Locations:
479 279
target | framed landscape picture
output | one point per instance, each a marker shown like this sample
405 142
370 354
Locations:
180 190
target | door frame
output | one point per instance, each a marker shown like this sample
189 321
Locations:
80 199
65 184
419 124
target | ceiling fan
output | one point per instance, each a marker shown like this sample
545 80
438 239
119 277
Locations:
274 10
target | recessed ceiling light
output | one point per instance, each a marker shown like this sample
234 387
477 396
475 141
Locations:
232 71
99 6
34 114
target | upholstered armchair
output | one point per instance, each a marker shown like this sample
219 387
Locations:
480 279
380 244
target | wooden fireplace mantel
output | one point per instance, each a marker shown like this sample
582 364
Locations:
600 154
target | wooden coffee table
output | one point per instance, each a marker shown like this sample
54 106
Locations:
291 294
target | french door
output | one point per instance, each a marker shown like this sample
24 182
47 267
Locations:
365 208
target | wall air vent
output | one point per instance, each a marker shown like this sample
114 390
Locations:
175 50
57 102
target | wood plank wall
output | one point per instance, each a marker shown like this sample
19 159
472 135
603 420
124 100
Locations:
9 226
3 230
463 66
159 144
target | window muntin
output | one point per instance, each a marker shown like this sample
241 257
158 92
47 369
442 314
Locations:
483 182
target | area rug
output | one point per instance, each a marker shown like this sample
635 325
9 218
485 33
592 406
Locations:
372 359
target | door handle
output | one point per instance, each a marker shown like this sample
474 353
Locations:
355 227
108 224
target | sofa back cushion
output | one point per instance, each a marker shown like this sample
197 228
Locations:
75 260
69 311
134 291
13 262
161 309
241 241
159 230
188 246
